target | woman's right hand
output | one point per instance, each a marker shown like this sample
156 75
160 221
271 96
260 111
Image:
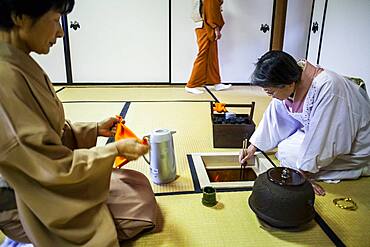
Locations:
246 154
131 149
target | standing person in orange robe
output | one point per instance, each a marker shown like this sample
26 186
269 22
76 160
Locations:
208 31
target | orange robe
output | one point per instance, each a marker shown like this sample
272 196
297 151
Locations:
206 67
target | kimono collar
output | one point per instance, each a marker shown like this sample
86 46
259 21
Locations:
22 60
308 74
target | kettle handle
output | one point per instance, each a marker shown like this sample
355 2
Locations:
146 160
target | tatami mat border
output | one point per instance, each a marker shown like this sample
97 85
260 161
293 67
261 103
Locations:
210 93
328 231
122 114
60 89
193 174
93 101
133 101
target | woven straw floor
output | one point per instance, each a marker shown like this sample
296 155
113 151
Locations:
148 93
193 127
230 223
186 221
352 227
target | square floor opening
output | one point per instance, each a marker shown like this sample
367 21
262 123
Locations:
222 169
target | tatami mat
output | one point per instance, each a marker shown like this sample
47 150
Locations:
192 122
193 127
92 112
352 227
245 95
157 93
230 223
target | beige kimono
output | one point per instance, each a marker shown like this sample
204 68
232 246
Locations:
60 179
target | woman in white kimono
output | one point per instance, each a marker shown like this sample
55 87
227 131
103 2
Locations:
56 187
319 120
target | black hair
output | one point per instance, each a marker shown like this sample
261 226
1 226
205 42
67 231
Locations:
276 69
31 8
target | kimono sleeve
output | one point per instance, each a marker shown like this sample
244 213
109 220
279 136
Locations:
79 135
37 151
275 126
329 133
212 13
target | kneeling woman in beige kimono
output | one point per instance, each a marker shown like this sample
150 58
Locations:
57 188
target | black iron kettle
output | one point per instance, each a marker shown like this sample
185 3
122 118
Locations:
283 198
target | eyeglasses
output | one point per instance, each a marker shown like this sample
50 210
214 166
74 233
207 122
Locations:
270 90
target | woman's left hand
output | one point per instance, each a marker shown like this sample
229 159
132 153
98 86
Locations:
107 127
320 191
217 33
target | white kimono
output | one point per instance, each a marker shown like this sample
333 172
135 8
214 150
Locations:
330 137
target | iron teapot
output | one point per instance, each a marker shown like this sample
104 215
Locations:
282 198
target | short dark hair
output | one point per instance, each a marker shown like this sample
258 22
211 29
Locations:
31 8
276 69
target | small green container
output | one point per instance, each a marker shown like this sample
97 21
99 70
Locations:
209 196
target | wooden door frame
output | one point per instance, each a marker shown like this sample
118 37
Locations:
278 24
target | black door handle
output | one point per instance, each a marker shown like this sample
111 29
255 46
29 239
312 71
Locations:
75 25
264 28
315 27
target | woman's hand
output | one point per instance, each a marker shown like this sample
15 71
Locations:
107 127
244 155
131 149
217 33
316 187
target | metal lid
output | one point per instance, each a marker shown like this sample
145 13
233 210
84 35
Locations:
161 135
285 176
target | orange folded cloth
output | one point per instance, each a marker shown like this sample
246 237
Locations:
122 132
219 107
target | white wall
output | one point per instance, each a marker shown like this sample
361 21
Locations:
129 41
241 44
53 63
183 41
297 27
120 41
346 39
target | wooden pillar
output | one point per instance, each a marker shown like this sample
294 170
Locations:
278 29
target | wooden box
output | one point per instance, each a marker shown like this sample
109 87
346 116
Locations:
231 135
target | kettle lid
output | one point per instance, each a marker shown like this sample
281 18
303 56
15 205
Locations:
285 176
160 135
